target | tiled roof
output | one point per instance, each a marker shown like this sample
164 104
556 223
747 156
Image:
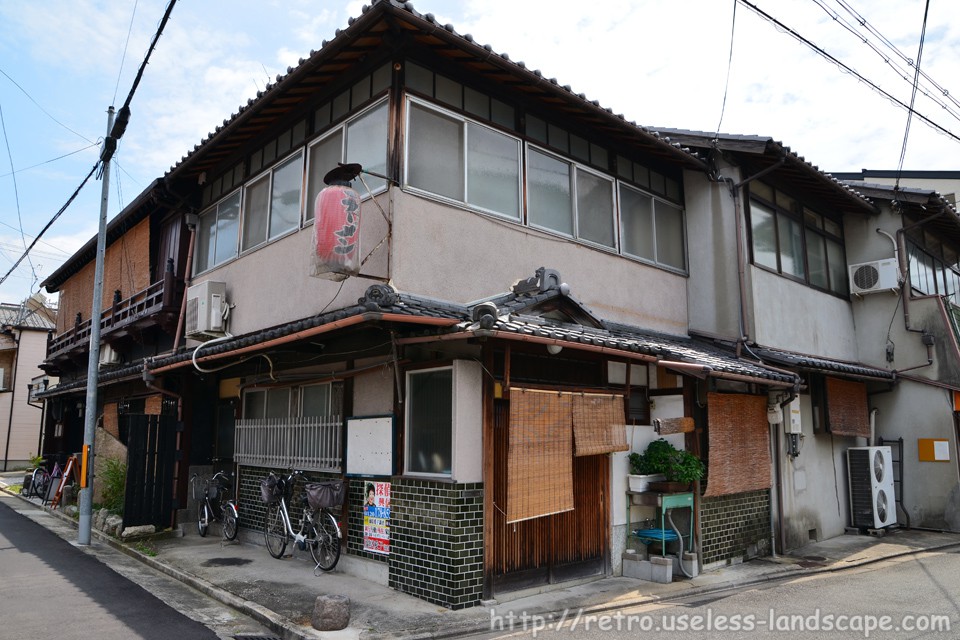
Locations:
105 376
755 144
405 10
21 316
815 363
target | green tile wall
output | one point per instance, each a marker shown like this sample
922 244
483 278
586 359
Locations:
735 526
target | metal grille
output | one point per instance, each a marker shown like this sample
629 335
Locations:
309 444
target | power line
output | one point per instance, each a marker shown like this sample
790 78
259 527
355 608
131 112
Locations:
40 164
96 165
905 74
821 52
726 85
47 113
16 196
126 44
913 96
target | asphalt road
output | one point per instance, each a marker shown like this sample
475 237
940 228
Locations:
52 588
915 597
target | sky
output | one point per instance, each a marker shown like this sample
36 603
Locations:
690 64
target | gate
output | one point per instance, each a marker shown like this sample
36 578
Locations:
553 548
151 459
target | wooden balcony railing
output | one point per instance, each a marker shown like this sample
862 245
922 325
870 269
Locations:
150 306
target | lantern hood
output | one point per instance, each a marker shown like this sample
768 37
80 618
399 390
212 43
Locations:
343 174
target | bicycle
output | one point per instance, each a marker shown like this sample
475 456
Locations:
39 483
211 491
319 531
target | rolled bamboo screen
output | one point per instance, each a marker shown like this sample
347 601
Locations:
847 411
739 444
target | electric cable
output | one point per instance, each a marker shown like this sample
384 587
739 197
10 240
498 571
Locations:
40 164
913 95
69 201
16 198
726 84
903 73
44 111
126 44
847 68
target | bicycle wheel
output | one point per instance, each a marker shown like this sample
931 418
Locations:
275 531
39 483
325 546
203 519
229 521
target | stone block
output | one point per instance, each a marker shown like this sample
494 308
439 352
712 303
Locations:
114 525
331 613
141 530
71 510
661 570
690 563
636 568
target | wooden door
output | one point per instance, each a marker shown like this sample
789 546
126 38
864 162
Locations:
151 460
553 548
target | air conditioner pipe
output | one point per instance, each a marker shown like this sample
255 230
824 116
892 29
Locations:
928 340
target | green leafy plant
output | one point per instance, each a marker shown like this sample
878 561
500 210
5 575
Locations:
676 465
36 461
146 549
113 475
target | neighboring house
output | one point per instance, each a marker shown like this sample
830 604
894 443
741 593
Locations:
947 183
24 330
528 273
862 357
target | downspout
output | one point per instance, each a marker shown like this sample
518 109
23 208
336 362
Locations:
779 530
187 279
735 188
900 251
13 395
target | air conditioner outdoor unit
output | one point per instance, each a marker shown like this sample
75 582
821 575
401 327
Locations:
874 277
108 355
873 502
205 304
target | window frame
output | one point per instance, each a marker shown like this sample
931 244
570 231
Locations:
407 423
341 126
269 175
654 200
464 122
575 169
779 211
214 208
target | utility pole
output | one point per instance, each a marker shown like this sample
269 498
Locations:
93 366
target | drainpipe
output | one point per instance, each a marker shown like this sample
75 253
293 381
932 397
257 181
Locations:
735 188
13 396
873 426
900 251
187 279
928 341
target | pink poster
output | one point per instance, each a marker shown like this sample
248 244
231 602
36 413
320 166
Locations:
376 517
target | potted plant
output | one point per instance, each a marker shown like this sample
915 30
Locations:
679 467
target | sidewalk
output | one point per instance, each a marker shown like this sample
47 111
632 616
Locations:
281 593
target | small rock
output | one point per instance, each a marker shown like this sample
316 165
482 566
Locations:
113 526
100 519
141 530
71 511
331 613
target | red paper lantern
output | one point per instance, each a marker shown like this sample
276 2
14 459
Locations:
336 232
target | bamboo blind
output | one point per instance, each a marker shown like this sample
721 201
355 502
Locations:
598 424
847 411
539 454
739 444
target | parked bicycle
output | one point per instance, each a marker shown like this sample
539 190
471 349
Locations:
215 503
319 531
39 483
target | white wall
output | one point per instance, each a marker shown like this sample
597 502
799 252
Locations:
794 317
913 411
454 254
814 483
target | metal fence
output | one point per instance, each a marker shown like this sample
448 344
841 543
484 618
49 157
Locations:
308 444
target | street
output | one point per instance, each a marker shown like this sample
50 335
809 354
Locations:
911 597
50 588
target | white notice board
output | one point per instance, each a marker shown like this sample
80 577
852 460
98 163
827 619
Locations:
370 446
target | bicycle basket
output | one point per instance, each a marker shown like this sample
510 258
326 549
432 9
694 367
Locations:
198 488
270 489
321 495
213 491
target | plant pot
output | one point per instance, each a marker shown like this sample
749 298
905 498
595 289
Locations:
670 487
638 484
